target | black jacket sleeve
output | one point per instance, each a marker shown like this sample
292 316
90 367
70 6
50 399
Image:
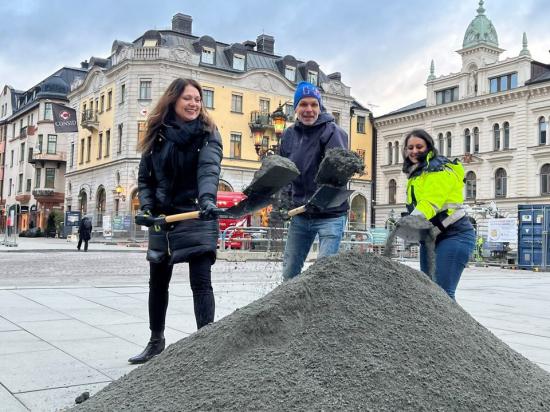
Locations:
146 183
209 168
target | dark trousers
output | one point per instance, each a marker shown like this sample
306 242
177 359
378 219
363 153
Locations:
201 285
80 240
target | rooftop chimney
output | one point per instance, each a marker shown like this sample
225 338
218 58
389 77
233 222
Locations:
249 45
182 23
84 64
265 43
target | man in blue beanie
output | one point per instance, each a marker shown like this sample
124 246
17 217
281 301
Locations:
305 143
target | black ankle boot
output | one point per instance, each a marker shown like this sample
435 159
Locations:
154 347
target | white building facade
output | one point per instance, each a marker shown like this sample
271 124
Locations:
492 115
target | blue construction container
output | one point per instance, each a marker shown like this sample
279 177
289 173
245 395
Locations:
533 244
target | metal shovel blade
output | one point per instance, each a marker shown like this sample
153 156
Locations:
327 197
249 205
273 180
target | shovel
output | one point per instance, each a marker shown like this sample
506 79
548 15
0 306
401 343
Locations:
275 173
324 198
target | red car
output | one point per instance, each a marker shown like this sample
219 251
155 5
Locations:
234 236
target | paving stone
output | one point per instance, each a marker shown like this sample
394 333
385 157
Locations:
56 399
9 402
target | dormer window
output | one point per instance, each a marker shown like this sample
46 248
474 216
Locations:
238 62
446 96
150 43
312 77
207 55
290 73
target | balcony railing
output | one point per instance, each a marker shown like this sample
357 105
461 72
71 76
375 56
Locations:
53 157
260 120
89 120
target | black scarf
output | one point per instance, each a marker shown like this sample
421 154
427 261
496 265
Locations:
182 138
413 169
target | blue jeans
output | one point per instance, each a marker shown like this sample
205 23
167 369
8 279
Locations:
451 256
301 235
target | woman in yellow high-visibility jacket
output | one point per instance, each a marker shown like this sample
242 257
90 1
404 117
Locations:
435 190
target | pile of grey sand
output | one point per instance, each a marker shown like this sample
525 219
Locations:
353 332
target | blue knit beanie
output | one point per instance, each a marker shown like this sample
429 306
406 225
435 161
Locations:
305 89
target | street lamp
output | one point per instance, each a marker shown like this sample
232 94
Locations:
119 193
279 124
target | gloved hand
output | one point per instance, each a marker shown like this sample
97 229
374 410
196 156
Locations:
144 218
413 228
208 209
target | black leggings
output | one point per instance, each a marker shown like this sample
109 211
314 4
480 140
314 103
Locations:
201 285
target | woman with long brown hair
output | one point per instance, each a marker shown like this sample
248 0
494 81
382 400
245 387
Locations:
179 172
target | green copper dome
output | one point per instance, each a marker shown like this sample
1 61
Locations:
480 30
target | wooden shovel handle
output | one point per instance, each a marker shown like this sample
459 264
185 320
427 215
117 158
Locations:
182 216
297 211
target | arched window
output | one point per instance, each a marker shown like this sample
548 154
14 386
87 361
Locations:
100 205
500 183
476 140
545 179
396 151
223 186
467 141
83 200
496 137
471 186
390 153
441 143
358 213
392 190
542 130
449 144
506 141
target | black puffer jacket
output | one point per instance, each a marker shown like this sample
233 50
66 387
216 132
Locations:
182 168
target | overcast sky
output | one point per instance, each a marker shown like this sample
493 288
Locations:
382 48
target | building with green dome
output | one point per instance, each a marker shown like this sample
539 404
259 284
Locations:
491 114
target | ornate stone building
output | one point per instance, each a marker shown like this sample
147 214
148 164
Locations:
244 84
493 115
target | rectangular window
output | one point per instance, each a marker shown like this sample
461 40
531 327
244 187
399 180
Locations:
89 155
29 185
236 103
52 144
142 129
37 177
11 158
290 73
360 124
20 183
100 146
264 106
503 83
71 164
207 55
50 178
109 99
107 143
30 155
235 146
238 62
336 116
122 93
145 89
120 128
102 103
289 111
48 111
81 151
22 153
13 131
312 77
9 188
446 96
208 96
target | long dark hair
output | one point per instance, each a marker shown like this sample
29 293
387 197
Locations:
164 110
422 134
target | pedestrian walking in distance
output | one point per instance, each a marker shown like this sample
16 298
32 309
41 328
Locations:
84 232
